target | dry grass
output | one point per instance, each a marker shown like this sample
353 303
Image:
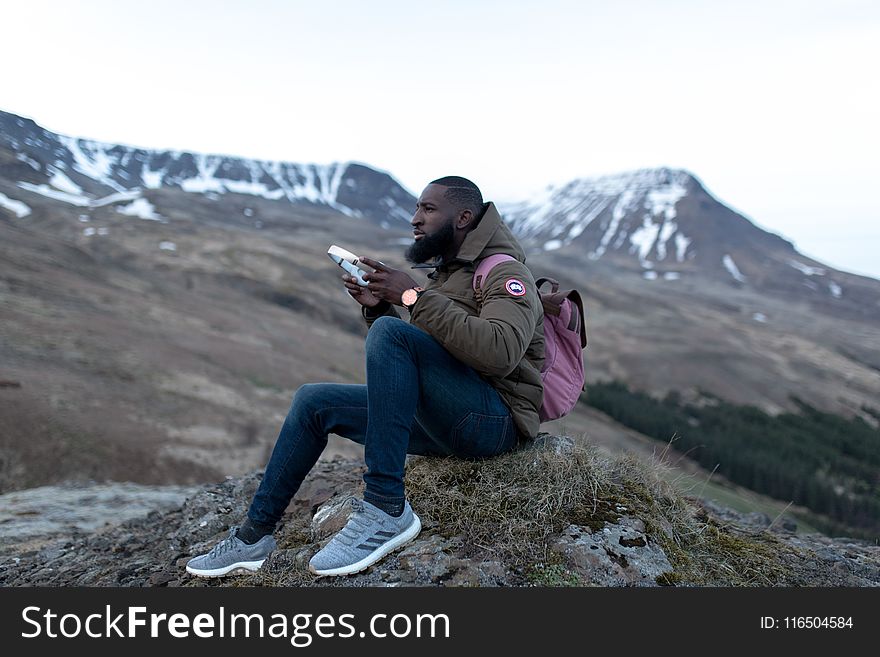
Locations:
512 506
703 551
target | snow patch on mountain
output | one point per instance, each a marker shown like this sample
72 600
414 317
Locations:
48 192
624 204
662 200
17 208
644 238
732 269
251 189
60 181
667 230
270 180
653 236
204 180
152 179
681 246
140 208
33 164
91 159
806 269
118 197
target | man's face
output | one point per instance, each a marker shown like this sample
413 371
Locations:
433 226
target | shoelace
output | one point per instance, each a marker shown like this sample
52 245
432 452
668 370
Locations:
225 545
358 521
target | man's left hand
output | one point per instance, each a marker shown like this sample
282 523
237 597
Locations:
387 283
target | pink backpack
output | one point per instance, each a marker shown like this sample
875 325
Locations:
565 336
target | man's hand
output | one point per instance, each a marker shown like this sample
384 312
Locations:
359 293
386 283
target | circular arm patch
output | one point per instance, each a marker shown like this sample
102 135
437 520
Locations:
515 287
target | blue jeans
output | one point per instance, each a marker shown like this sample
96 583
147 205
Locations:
418 399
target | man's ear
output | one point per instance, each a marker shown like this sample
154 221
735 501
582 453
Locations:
465 219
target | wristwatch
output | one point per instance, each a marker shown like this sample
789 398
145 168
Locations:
410 296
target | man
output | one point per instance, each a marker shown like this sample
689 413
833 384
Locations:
461 378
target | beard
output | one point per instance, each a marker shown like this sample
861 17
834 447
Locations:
431 246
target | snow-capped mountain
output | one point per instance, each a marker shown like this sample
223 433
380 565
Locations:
661 224
666 224
85 173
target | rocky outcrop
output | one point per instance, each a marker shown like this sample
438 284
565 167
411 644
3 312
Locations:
102 547
619 554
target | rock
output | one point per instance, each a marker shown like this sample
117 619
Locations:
160 579
335 478
427 559
788 524
757 519
330 518
38 514
617 555
50 554
559 444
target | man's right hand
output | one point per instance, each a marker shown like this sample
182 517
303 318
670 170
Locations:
360 293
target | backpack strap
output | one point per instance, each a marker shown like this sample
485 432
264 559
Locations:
554 284
482 271
553 300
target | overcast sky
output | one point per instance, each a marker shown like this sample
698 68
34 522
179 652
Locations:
774 105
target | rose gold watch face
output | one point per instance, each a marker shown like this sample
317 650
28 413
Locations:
409 297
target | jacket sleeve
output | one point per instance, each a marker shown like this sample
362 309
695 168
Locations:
495 341
372 314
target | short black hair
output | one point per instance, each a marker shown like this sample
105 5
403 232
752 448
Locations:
464 194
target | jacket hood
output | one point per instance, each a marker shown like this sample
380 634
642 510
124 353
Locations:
491 236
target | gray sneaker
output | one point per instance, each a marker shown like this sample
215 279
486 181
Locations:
369 535
231 555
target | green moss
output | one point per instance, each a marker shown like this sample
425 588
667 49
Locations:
669 579
555 575
709 554
595 516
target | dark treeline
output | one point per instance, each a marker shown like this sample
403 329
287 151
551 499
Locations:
825 462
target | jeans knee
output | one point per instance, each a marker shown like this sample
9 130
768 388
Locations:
385 329
306 400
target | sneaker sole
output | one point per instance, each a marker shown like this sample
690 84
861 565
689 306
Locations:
397 542
239 567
